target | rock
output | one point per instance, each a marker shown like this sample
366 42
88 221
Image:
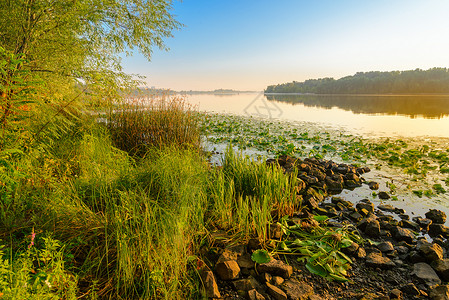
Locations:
297 290
383 195
373 185
253 244
277 280
409 224
426 274
275 292
227 270
227 255
276 267
386 207
376 260
385 247
210 284
243 285
410 289
254 295
245 262
351 249
423 222
372 228
337 200
396 294
430 251
361 253
441 266
402 234
438 229
355 216
440 292
437 216
369 206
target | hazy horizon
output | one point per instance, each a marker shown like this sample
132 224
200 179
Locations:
250 45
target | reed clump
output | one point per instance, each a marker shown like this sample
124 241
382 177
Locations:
142 122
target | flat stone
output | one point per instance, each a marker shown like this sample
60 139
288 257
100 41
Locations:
276 267
296 290
437 216
425 273
227 270
441 266
376 260
276 292
440 292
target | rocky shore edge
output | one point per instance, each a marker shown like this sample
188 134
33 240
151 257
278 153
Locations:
397 261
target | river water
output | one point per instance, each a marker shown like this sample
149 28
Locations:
397 116
418 119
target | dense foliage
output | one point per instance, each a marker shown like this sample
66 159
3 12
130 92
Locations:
435 80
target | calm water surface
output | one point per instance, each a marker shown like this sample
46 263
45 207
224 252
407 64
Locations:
408 116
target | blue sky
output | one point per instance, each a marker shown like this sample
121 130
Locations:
247 45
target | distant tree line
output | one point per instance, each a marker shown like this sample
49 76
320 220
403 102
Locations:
435 80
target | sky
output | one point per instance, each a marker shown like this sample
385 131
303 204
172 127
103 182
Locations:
248 45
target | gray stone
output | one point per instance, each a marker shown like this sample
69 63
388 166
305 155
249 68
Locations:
227 270
276 292
376 260
210 285
437 216
425 273
441 266
297 290
255 295
439 292
276 267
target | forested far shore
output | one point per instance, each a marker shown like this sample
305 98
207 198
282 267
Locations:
431 81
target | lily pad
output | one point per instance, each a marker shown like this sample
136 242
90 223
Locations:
260 256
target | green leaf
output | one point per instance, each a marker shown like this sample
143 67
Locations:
316 269
260 256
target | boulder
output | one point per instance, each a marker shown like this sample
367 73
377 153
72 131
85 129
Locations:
425 273
430 252
441 266
437 216
438 229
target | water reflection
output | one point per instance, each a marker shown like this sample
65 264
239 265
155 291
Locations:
429 107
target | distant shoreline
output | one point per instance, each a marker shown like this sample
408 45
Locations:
363 95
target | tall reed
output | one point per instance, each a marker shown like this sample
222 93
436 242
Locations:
154 121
